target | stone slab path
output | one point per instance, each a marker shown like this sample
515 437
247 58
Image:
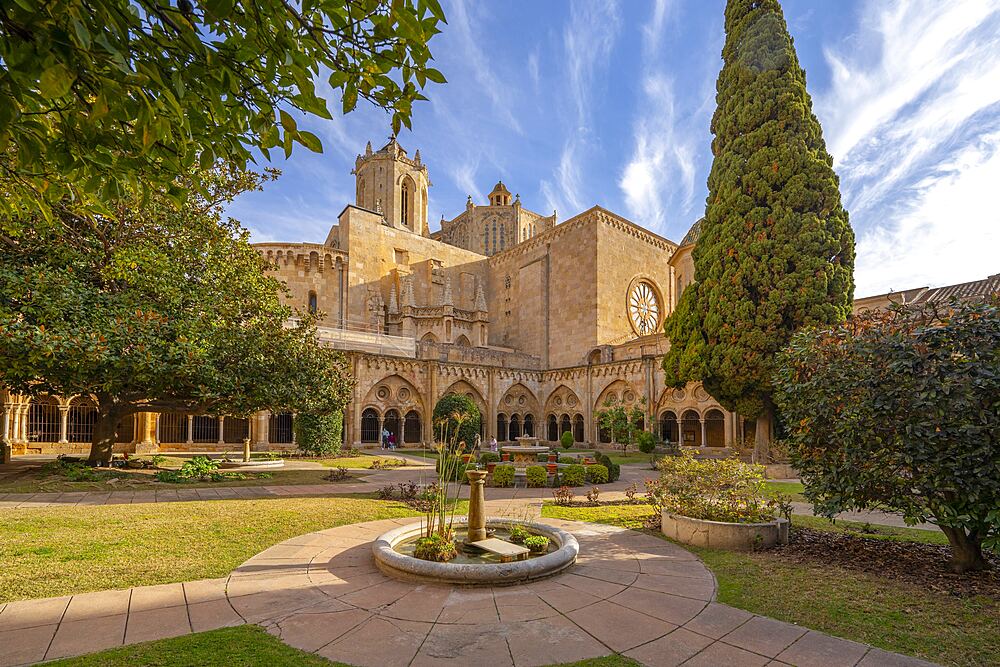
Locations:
629 593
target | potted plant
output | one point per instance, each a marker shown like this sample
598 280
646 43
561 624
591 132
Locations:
466 458
490 466
553 457
505 456
552 467
537 543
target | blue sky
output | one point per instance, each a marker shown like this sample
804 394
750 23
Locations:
600 102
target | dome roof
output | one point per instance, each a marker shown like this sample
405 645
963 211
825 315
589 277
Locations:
501 188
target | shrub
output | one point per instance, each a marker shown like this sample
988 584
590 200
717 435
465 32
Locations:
319 435
568 459
194 469
614 470
594 494
646 442
436 547
536 476
563 495
566 440
630 492
518 533
537 543
503 476
711 489
897 409
489 457
597 474
574 475
465 427
337 474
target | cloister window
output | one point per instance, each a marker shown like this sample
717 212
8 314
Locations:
44 420
81 419
173 427
502 427
412 428
369 426
715 429
205 428
391 423
668 427
691 429
235 429
553 428
279 428
529 425
514 430
564 425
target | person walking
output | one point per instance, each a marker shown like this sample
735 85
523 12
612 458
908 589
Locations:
392 441
385 437
493 443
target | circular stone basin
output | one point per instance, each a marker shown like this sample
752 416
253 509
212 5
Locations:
474 570
255 464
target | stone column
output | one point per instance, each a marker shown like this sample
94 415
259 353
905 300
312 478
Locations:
260 426
145 437
63 424
22 430
730 429
704 433
222 436
190 438
5 448
477 505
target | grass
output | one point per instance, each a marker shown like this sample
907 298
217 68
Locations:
65 550
246 646
364 461
36 481
793 489
892 615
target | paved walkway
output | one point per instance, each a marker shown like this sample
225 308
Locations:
420 471
629 593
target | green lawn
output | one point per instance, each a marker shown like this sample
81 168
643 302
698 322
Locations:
245 646
793 489
62 550
892 615
364 461
37 481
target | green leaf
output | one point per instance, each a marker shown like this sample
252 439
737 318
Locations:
310 141
434 75
287 121
55 81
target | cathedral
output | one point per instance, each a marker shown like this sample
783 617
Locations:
540 322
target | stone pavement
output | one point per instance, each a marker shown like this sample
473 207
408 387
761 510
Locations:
629 593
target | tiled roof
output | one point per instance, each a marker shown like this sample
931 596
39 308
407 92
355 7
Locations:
971 290
693 233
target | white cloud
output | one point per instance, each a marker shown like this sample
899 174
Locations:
910 118
588 40
485 71
659 175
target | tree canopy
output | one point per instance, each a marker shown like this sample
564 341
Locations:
776 250
457 419
899 410
100 97
157 308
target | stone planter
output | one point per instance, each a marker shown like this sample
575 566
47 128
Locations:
505 457
466 458
552 468
490 467
723 535
553 458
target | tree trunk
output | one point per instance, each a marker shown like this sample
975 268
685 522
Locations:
762 436
103 441
966 551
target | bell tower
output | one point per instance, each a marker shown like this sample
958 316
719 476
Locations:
389 182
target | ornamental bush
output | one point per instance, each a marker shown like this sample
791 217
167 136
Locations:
573 475
597 474
457 419
898 409
489 457
503 476
319 435
614 470
566 440
711 489
536 476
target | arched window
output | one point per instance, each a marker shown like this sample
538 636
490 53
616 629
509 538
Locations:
514 430
578 428
80 420
529 425
279 428
361 193
691 429
668 427
313 304
44 420
503 238
494 236
404 204
564 425
369 426
391 423
553 428
412 428
501 427
205 428
715 429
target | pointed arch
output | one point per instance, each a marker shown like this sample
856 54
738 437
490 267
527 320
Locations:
561 399
618 391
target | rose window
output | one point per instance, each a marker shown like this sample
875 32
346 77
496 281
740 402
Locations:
643 308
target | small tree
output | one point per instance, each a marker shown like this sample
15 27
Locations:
898 410
623 422
459 417
567 440
647 444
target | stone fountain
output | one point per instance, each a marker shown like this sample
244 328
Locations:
525 452
390 559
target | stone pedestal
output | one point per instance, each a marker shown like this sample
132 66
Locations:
477 505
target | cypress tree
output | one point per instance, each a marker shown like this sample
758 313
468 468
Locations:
776 250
